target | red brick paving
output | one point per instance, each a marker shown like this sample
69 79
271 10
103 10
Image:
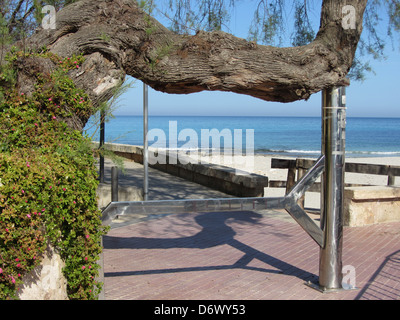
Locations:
241 256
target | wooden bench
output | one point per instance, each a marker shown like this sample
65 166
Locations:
299 167
363 204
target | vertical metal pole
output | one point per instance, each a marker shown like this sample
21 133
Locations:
100 276
114 184
145 141
332 193
102 135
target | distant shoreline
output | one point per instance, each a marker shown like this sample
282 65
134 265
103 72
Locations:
307 153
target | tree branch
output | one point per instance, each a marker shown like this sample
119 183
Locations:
118 38
12 20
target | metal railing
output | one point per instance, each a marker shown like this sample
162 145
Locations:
289 203
330 164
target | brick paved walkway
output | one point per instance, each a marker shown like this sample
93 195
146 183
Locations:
241 256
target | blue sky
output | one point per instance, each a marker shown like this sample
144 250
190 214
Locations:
377 96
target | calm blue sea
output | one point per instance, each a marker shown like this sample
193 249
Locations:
292 136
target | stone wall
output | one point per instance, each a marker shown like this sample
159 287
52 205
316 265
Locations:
370 205
218 177
124 194
46 281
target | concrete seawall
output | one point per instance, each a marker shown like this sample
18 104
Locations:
222 178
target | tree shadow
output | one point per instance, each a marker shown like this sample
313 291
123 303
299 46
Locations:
214 232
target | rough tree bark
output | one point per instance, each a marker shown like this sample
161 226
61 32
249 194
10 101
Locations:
118 38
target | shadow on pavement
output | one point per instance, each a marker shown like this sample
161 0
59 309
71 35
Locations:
214 232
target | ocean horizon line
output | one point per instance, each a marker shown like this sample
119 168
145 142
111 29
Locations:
268 134
253 116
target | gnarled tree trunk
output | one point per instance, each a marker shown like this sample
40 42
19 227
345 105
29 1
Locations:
118 38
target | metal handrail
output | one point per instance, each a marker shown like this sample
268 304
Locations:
288 202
